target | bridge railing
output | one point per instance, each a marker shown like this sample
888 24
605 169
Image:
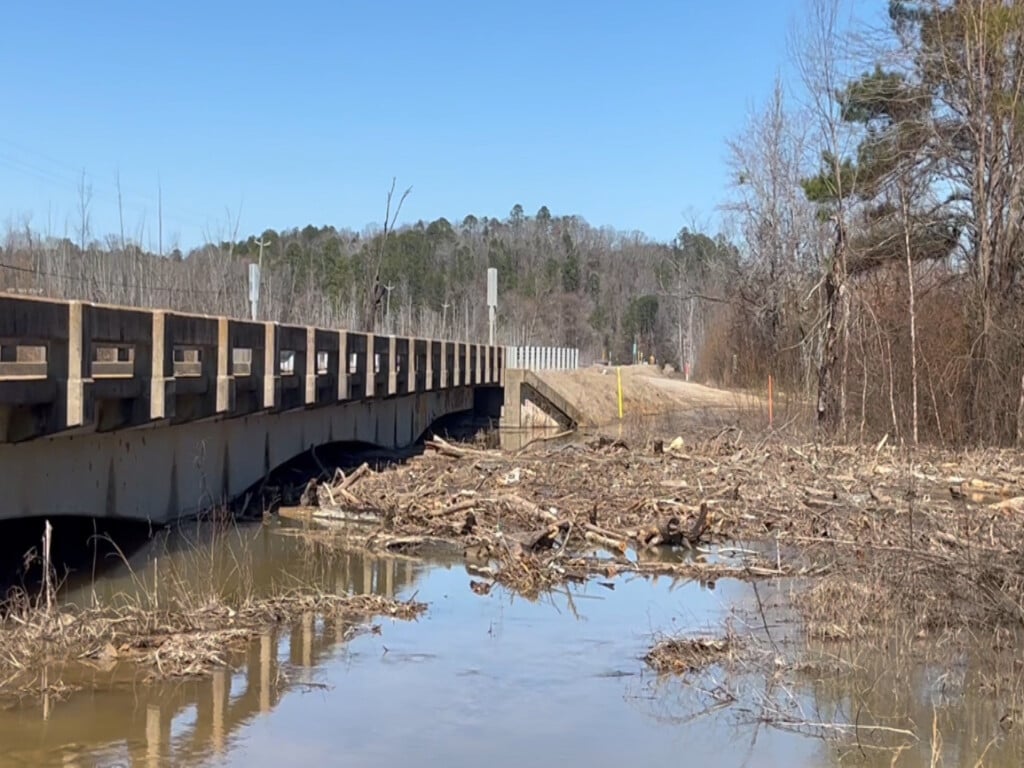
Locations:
541 358
70 365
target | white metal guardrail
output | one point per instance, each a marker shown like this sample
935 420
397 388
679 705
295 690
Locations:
542 358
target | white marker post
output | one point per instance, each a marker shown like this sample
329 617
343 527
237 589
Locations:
254 289
492 299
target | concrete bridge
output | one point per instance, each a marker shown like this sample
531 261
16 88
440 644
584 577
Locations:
156 415
153 415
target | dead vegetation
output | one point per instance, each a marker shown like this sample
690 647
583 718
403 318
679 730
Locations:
182 640
682 655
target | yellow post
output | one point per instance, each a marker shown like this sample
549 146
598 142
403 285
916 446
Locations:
618 376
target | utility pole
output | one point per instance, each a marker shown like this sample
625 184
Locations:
262 245
387 302
255 275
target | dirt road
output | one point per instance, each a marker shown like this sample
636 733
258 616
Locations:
646 390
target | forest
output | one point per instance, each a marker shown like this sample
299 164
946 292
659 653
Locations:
870 256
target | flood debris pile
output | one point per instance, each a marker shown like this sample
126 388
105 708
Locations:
933 536
683 655
543 516
178 641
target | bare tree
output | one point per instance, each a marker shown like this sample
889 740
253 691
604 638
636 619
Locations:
84 201
821 56
779 232
375 291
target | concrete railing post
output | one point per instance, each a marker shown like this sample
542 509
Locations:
159 367
393 363
309 375
411 345
342 365
457 362
223 383
271 362
371 365
429 379
75 380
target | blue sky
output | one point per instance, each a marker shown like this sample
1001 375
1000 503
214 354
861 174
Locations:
290 113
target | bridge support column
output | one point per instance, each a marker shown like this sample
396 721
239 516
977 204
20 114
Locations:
512 410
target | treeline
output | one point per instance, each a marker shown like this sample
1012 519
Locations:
561 281
881 217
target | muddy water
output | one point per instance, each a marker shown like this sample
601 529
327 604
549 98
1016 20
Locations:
489 680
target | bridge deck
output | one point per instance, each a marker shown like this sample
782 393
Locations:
70 366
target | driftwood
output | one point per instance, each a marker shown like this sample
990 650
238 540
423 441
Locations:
361 471
445 448
532 509
309 497
546 538
670 531
605 539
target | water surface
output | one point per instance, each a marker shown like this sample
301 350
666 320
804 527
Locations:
492 680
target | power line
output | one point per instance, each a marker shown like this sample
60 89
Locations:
110 283
65 175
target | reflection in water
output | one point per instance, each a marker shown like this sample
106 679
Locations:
975 726
242 560
117 719
495 681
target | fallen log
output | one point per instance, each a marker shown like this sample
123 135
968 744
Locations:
596 536
456 452
459 506
528 507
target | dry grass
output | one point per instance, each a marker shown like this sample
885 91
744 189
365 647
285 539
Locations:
173 642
